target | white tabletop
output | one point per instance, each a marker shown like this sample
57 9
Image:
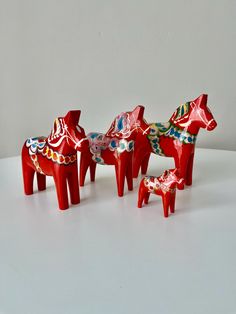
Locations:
107 256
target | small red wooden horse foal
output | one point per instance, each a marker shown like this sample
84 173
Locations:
56 156
164 185
175 138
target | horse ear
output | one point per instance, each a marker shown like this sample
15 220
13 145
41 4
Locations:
56 127
72 117
202 100
138 112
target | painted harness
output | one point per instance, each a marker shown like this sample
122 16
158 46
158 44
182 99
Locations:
39 145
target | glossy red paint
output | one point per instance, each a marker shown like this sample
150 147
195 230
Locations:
56 155
114 148
164 185
175 138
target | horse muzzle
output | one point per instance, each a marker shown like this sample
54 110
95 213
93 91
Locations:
211 125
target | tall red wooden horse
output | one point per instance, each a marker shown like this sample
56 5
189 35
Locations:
175 138
114 148
164 185
56 156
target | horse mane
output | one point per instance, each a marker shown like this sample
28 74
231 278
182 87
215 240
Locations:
181 112
57 131
120 125
57 127
126 122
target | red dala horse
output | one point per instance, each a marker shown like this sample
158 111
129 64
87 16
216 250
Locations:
56 155
175 138
115 148
164 185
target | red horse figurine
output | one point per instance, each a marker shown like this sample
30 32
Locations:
56 156
164 185
115 148
175 138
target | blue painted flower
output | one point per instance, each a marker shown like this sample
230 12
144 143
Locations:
93 135
113 144
98 159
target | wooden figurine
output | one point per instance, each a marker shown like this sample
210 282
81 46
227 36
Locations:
115 148
164 185
175 138
56 155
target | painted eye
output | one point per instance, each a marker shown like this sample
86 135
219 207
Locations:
78 128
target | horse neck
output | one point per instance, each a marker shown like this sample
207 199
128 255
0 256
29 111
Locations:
137 131
133 134
64 148
142 132
186 124
169 182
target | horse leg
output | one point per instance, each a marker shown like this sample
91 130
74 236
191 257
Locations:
121 166
165 201
141 196
92 171
28 178
146 198
172 202
41 180
61 187
73 183
129 176
85 161
181 165
137 161
189 173
144 164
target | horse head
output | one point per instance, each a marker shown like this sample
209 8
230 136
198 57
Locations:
128 123
202 114
194 115
67 130
174 177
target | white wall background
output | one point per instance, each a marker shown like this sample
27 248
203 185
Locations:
106 56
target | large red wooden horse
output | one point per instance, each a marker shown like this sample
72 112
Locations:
115 148
175 138
164 185
56 156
